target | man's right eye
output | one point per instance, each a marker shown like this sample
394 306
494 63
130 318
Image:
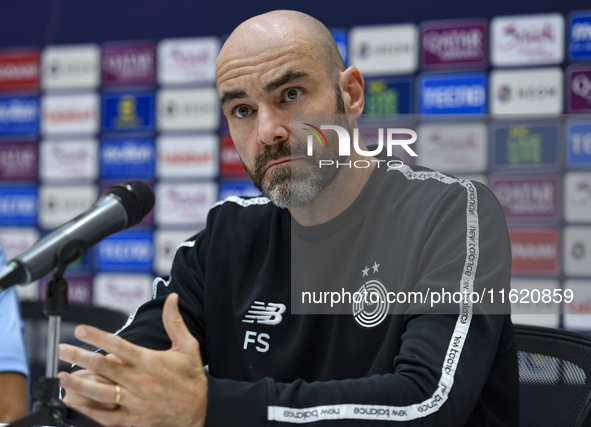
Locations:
242 111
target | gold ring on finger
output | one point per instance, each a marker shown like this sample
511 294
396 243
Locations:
118 394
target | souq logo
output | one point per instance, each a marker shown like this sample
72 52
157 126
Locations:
189 58
345 145
526 36
583 198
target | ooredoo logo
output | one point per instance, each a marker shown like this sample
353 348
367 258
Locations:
68 114
579 89
188 156
581 85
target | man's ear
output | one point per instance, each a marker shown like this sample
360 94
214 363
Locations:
352 84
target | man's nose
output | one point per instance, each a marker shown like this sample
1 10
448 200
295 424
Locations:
274 125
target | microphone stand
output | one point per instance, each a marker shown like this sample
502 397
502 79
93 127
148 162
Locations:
49 409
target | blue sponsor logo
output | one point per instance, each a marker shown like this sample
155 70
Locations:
525 145
579 30
388 96
128 111
341 37
457 93
122 158
19 115
18 205
131 250
238 187
578 143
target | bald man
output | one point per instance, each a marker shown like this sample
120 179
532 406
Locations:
404 229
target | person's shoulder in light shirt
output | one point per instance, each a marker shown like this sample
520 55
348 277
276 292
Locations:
14 365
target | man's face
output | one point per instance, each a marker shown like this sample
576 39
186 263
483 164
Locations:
260 90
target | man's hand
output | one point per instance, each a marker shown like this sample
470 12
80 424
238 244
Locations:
86 376
157 388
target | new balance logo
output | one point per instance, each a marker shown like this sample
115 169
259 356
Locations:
269 315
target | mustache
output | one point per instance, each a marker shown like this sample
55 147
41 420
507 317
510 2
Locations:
270 153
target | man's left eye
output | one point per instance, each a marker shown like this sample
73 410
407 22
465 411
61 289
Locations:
293 94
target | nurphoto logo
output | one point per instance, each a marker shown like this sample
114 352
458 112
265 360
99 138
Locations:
344 145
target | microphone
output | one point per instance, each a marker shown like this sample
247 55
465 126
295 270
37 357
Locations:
122 206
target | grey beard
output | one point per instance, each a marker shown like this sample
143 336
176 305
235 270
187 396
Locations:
287 191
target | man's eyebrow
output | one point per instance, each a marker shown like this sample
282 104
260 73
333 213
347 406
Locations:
233 94
288 77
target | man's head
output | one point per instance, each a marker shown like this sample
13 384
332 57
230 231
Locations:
272 66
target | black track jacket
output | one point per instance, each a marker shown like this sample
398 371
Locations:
409 229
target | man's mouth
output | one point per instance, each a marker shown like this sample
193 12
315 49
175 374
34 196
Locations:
278 162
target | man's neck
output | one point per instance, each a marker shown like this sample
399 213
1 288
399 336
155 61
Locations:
338 196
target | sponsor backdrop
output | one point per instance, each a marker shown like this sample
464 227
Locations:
506 101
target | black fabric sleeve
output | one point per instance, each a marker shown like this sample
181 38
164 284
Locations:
409 396
145 326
